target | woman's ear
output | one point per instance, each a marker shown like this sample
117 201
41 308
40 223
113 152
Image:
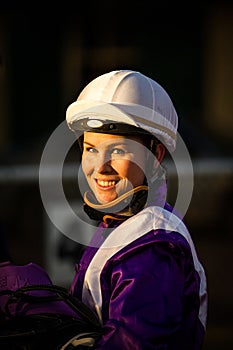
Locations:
160 153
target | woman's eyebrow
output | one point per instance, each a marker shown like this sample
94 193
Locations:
88 143
112 144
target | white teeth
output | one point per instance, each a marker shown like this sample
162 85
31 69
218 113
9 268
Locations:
106 183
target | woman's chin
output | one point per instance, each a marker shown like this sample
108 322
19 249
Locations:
105 198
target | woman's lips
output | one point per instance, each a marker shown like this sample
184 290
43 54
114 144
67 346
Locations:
106 184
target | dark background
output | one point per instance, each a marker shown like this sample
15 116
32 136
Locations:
47 55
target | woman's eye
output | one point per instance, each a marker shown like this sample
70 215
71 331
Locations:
118 151
91 150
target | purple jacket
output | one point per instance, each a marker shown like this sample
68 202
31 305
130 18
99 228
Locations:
142 277
150 290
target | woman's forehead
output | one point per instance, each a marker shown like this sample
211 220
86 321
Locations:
94 137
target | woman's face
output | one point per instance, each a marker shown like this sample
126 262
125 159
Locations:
112 164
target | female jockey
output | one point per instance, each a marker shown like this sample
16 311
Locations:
140 272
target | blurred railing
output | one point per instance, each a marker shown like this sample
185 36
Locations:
30 172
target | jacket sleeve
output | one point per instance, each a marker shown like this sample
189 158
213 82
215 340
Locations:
145 307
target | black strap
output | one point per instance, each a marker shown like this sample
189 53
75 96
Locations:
59 294
40 330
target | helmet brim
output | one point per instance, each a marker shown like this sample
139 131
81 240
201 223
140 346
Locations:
85 115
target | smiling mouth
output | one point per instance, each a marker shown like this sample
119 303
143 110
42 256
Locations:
106 184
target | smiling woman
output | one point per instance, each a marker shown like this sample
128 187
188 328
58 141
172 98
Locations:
140 272
139 283
108 160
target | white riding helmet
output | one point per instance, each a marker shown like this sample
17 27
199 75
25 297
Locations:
125 97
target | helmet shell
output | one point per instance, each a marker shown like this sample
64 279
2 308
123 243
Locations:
125 96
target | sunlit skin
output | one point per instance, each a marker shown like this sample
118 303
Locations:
108 158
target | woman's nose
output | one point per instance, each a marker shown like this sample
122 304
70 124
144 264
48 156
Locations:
103 163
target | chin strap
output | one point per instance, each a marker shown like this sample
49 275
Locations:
126 205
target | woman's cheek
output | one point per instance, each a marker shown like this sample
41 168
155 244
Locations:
87 165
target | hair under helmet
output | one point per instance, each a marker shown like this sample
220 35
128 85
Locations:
126 97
